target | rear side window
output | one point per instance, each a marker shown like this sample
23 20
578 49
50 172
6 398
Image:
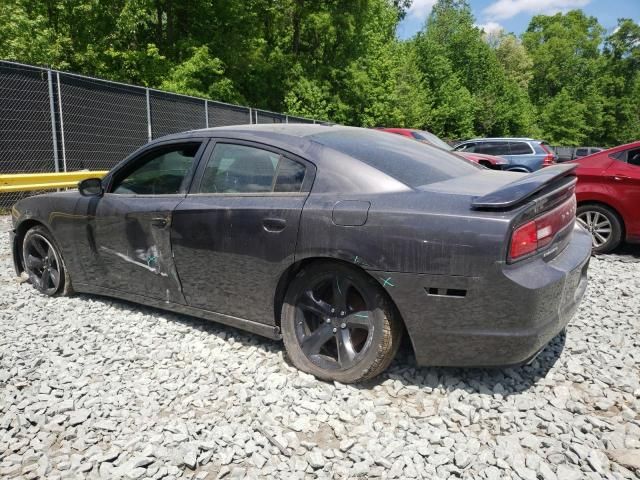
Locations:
432 139
493 148
244 169
520 148
290 176
412 163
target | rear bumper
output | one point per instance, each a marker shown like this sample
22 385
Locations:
502 319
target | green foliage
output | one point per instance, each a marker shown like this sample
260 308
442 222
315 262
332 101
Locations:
563 120
565 79
202 75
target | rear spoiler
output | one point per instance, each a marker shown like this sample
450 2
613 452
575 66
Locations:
528 185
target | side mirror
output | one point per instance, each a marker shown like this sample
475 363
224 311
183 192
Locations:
91 187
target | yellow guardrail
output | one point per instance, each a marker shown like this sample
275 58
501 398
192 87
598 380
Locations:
26 182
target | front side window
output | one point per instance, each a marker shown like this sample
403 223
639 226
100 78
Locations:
245 169
633 157
160 172
581 152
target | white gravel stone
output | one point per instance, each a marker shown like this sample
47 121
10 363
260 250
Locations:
98 388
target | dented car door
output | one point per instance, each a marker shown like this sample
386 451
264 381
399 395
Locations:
129 226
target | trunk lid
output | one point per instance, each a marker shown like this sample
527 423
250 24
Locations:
556 177
539 207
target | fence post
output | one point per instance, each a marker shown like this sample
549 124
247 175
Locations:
206 112
149 134
54 132
64 150
250 116
286 119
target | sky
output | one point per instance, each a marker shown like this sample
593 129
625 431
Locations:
514 15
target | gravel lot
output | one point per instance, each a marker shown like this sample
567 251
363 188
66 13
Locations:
98 388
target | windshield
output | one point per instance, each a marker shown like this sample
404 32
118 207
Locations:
432 139
413 163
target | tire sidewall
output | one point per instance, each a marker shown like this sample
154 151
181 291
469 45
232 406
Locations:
616 226
298 285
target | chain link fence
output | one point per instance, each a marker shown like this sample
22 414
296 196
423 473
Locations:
54 121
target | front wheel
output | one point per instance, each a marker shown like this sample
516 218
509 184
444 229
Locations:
603 225
338 324
42 262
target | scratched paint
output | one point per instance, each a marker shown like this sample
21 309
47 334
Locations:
358 260
386 282
142 263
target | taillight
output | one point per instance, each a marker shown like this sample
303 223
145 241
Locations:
549 159
524 240
540 232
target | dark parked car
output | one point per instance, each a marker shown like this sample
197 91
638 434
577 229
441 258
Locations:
565 154
584 151
523 154
489 161
608 194
335 239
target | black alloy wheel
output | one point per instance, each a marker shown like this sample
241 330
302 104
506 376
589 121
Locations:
338 324
43 263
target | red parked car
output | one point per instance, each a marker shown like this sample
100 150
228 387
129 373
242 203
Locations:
608 194
490 161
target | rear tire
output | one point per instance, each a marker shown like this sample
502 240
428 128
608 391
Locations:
603 224
43 263
338 324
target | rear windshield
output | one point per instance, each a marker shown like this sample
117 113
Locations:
432 139
413 163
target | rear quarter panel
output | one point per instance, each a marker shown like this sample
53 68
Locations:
412 232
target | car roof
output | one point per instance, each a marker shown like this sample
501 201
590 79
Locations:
299 130
396 129
292 137
490 139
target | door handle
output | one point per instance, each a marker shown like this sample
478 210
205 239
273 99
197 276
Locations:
619 178
159 222
274 224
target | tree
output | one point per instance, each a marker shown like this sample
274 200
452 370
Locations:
563 120
203 76
472 92
621 85
340 60
514 58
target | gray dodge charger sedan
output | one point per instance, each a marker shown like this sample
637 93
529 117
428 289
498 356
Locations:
336 240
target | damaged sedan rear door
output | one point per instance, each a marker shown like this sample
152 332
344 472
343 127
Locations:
236 231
